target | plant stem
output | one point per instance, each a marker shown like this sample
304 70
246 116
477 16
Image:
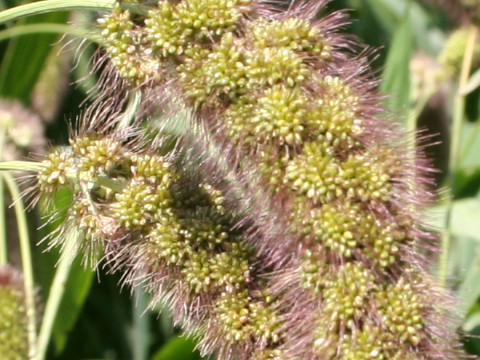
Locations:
28 29
3 225
57 289
458 118
109 183
46 6
140 329
469 143
27 267
20 165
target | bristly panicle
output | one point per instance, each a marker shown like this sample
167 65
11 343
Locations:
170 233
286 223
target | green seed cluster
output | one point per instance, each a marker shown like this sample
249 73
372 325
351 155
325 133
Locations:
347 292
453 52
125 47
372 343
85 219
13 316
345 228
319 176
399 328
293 33
213 72
313 271
269 354
56 171
401 308
172 29
138 204
242 317
276 117
367 344
96 155
87 159
198 242
315 174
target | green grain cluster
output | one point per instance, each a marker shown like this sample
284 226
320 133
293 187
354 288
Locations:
13 315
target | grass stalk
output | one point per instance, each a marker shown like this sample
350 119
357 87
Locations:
3 224
458 119
20 166
55 295
47 6
27 266
48 28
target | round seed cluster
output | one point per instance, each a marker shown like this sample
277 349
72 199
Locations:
366 344
349 230
242 317
453 52
126 48
172 29
346 293
401 308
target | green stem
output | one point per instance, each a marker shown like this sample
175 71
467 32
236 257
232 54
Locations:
20 166
46 6
469 143
55 295
458 119
49 28
131 110
109 183
27 267
3 226
140 329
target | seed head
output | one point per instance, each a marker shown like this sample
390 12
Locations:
296 232
13 315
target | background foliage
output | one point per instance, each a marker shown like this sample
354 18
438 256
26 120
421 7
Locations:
97 320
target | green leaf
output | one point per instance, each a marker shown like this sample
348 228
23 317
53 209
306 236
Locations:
472 84
25 57
397 69
76 291
176 349
465 246
466 218
467 182
472 321
469 290
470 145
140 330
78 283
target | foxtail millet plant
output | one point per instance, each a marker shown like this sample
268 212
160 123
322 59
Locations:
286 222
